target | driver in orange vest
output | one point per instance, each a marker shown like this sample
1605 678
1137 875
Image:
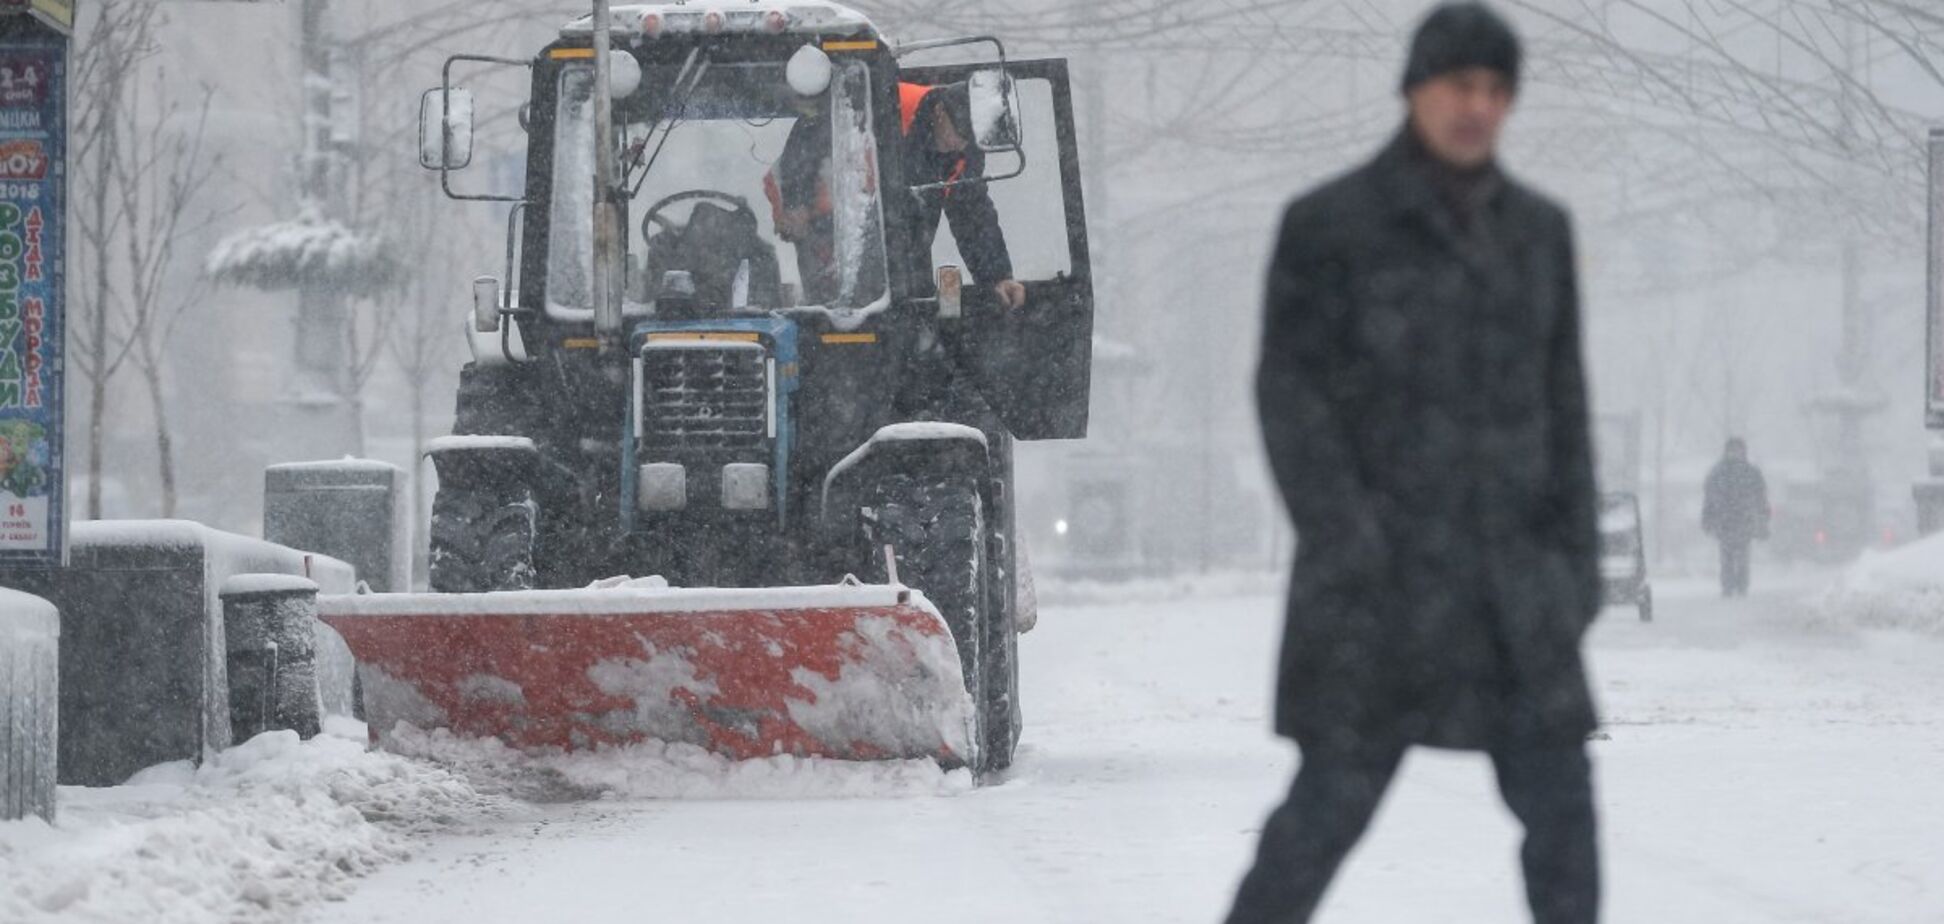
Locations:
938 149
937 125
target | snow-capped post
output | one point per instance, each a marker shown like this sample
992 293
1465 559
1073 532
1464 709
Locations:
30 630
1934 260
270 640
34 49
317 255
1929 493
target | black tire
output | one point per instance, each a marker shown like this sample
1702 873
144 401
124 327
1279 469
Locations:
936 527
1003 719
482 540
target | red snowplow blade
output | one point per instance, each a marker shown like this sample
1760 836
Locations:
849 672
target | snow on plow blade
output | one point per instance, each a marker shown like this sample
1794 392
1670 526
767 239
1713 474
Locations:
849 672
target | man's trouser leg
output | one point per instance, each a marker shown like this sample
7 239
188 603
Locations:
1307 837
1734 567
1727 568
1550 789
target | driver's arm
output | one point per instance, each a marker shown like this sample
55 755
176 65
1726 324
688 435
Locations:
790 223
975 226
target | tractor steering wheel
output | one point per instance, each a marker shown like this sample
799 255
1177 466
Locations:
655 217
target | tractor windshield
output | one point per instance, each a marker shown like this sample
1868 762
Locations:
764 199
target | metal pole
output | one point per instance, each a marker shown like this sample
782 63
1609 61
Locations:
323 342
607 311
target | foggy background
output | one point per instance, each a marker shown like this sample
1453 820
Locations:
1746 177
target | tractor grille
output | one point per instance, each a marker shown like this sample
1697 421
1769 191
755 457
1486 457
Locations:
704 396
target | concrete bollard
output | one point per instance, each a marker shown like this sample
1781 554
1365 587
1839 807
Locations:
30 630
354 509
270 637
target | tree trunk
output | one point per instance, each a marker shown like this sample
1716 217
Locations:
418 435
164 439
100 375
97 408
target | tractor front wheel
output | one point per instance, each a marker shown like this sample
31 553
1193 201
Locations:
482 539
936 528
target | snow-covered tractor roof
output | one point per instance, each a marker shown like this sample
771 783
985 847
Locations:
775 17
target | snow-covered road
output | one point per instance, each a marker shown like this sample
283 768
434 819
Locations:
1762 767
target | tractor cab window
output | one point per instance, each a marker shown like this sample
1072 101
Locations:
743 195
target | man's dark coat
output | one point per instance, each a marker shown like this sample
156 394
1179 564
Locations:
1734 502
1425 412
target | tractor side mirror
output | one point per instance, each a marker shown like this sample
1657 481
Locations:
995 110
486 304
446 129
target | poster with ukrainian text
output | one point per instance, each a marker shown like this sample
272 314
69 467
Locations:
33 177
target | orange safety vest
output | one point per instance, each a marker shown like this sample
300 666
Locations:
910 97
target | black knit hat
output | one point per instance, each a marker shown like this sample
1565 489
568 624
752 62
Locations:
956 100
1460 35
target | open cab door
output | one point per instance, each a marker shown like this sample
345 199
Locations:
1033 364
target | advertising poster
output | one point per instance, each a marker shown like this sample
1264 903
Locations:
56 13
33 161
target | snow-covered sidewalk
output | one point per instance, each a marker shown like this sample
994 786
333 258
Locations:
263 830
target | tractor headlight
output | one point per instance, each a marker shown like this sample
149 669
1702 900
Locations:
661 486
745 486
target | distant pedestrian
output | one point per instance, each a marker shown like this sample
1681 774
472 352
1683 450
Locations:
1735 511
1423 404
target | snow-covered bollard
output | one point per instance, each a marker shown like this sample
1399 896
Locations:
30 630
269 631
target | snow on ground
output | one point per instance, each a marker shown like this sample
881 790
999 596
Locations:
1766 763
1902 588
260 831
1770 759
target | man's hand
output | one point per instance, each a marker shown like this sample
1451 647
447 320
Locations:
1011 293
793 224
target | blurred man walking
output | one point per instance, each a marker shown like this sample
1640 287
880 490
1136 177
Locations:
1735 511
1424 409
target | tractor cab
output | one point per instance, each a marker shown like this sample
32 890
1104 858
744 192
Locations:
761 156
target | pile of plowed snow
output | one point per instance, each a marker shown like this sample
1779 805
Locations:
659 770
1899 589
276 824
255 833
